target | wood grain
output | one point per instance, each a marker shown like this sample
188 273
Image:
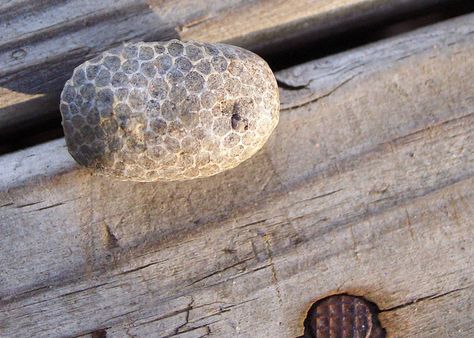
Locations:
365 187
42 41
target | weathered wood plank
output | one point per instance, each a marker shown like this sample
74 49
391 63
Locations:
366 186
447 314
42 41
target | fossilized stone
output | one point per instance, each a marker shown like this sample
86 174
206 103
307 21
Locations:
169 110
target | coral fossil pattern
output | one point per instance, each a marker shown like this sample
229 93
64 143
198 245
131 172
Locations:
169 110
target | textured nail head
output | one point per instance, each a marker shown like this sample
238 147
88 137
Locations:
169 110
343 316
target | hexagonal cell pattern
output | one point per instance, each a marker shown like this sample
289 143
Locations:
169 110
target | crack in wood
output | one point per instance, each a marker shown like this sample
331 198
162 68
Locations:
425 298
142 267
206 327
121 316
186 319
24 294
223 308
319 97
220 271
168 315
50 206
431 128
251 223
317 197
28 204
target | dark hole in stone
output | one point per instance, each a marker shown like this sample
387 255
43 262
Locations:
238 123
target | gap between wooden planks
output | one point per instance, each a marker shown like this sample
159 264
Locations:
365 187
42 41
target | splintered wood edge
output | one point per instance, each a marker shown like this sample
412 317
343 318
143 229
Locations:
365 188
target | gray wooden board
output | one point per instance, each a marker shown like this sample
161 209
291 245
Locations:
366 187
42 41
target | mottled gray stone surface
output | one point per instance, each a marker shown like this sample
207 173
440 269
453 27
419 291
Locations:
169 110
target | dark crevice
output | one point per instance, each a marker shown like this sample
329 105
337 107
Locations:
171 314
312 45
112 241
315 99
50 206
98 333
421 299
142 267
220 271
28 204
287 86
102 333
306 46
31 135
